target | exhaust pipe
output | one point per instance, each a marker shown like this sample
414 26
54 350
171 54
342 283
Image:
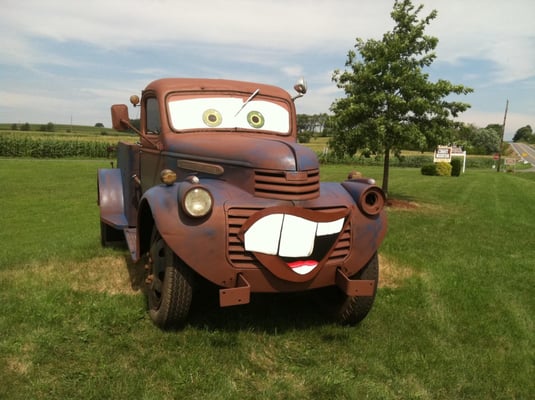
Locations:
370 198
372 201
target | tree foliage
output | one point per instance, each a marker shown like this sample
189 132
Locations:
524 134
390 101
310 125
50 127
476 140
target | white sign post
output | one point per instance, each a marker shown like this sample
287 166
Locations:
445 153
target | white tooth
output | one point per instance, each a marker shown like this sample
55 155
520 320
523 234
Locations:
297 237
328 228
263 236
305 269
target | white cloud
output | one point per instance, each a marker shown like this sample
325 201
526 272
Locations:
466 29
92 54
502 33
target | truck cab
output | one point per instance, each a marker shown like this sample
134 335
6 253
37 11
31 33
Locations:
217 188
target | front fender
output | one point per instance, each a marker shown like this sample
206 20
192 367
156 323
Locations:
201 243
158 207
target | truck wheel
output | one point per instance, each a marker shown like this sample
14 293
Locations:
169 285
353 309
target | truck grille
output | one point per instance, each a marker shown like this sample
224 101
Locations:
285 185
240 258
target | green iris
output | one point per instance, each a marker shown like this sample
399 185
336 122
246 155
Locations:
255 119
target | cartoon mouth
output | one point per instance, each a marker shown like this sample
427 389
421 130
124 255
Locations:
299 241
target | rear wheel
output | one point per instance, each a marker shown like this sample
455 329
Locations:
169 285
353 309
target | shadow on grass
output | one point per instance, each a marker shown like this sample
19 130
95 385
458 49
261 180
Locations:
267 312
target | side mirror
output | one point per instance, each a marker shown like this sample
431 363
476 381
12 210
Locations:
119 117
300 87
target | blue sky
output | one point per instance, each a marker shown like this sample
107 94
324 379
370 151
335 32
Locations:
63 60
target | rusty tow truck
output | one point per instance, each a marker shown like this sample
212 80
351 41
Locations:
217 188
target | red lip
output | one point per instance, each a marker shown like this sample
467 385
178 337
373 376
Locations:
302 267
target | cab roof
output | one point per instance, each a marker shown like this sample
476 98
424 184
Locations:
169 85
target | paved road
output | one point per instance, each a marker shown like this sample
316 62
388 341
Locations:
525 151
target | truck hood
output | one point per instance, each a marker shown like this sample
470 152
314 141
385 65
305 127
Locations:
243 150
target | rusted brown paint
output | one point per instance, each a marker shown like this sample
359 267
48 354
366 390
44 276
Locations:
257 180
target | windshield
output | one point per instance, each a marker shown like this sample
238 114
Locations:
228 113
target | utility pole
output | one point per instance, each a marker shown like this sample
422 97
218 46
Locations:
503 133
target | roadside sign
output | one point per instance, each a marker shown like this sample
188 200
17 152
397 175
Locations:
442 154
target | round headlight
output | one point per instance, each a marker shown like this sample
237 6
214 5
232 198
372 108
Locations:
197 202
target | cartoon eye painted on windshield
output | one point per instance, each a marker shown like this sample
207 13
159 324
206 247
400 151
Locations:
255 119
212 118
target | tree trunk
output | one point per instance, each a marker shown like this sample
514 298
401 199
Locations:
386 170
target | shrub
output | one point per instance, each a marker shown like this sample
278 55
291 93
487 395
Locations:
304 137
436 169
456 167
443 169
429 169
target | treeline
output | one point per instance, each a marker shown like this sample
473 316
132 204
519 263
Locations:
50 127
475 140
26 127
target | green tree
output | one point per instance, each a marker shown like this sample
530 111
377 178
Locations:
309 126
524 134
486 141
390 101
50 127
496 127
99 125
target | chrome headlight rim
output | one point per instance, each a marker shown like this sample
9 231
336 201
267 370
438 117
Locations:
197 202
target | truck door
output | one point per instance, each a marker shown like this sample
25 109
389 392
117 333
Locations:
151 162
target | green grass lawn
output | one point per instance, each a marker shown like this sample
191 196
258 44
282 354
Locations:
453 318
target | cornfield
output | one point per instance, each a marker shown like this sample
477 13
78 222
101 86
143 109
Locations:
35 147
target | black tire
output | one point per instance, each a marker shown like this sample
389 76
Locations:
353 309
169 285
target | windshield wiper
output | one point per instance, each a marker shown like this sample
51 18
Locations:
247 101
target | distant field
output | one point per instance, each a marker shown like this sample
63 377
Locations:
68 132
453 319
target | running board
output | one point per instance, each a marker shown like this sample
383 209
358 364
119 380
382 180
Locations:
130 234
